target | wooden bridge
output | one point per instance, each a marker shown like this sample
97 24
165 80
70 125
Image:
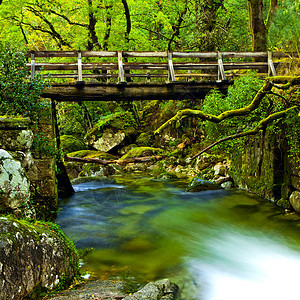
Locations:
129 75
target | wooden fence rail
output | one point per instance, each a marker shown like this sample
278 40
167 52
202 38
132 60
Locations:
169 65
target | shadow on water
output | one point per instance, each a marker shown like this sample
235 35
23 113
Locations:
218 245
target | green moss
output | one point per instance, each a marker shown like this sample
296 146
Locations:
120 120
36 230
142 151
6 122
284 203
92 154
70 143
145 139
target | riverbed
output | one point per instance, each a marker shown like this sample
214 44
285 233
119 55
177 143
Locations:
216 245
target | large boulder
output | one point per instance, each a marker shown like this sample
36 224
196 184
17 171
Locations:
34 258
70 143
112 131
160 290
295 201
109 140
14 185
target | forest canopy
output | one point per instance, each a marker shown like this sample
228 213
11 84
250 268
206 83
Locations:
200 25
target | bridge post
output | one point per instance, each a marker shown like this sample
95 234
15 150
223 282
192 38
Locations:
79 67
171 73
121 69
32 65
271 67
221 71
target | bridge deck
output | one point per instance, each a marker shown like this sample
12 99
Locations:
129 75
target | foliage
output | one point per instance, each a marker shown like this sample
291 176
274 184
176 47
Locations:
19 95
43 145
154 25
284 33
120 120
239 95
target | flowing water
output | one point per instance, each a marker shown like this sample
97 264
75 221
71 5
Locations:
217 245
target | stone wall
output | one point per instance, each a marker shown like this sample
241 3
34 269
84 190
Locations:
264 168
16 137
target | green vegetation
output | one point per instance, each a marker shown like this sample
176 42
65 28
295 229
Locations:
19 95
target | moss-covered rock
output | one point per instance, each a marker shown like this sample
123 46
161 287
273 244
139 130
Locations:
34 258
92 154
142 151
112 131
70 143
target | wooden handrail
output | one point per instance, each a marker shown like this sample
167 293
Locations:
165 64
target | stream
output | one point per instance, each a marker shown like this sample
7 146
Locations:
216 245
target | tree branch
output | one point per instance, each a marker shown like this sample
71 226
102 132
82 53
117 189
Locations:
285 81
119 162
152 31
177 27
67 19
261 125
267 86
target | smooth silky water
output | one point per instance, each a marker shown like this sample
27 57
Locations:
217 245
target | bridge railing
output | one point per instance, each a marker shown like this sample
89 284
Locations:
123 66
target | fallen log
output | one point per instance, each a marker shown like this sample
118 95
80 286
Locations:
119 162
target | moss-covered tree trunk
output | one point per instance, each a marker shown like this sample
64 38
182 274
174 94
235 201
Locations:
258 27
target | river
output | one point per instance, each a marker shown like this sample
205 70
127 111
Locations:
216 245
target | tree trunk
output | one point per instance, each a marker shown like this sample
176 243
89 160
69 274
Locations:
257 25
92 39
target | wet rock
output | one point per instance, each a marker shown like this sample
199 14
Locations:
295 201
200 185
162 289
205 161
33 257
221 179
227 185
14 185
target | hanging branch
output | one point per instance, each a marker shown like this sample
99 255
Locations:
280 82
261 125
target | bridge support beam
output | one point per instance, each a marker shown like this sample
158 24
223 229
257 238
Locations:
133 92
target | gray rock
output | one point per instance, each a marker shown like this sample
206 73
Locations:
109 140
221 169
227 185
162 289
295 200
33 257
199 185
14 186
